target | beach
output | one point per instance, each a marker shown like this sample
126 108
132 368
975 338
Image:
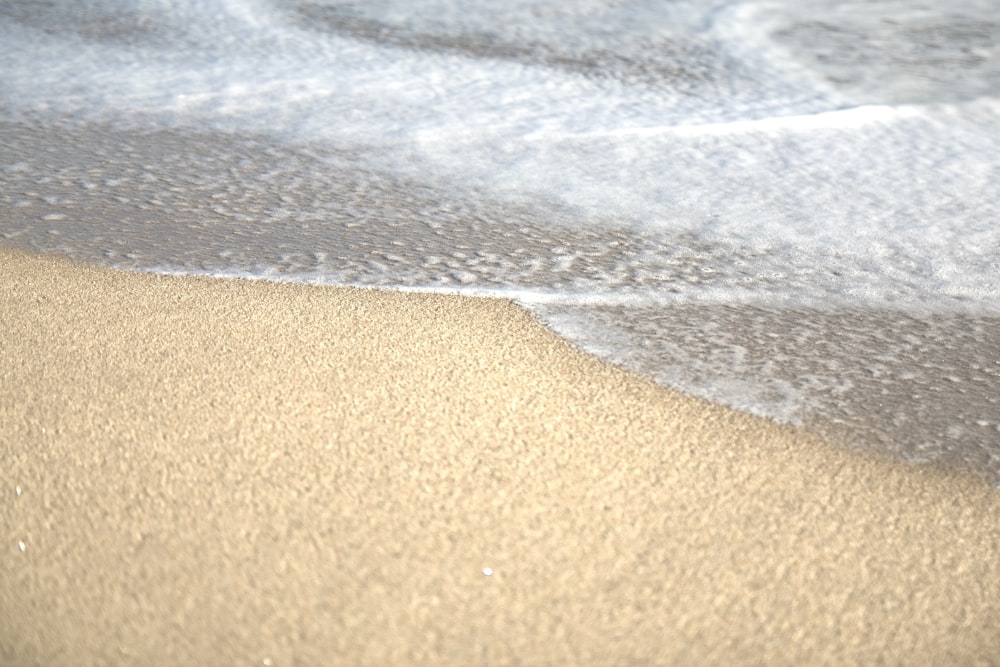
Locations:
211 471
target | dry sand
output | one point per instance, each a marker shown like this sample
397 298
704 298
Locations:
201 471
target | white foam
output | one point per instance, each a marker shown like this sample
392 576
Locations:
840 119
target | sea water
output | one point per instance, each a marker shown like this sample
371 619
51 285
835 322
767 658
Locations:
788 206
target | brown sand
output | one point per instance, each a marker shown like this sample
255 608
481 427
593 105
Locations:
201 471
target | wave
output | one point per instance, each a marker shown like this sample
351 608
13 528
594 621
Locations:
758 202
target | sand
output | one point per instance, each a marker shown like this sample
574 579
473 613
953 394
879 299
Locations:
202 471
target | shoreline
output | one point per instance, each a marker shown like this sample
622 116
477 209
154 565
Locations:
233 471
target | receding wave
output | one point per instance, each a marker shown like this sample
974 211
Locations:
787 207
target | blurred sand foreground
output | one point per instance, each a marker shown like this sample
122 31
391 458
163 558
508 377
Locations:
201 471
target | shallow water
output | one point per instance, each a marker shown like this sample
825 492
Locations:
790 208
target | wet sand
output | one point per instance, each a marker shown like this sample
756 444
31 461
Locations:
234 472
